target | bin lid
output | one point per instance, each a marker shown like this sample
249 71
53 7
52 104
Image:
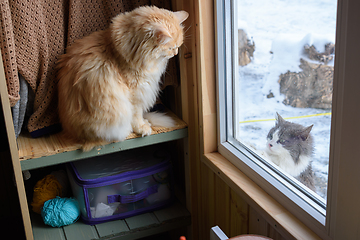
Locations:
124 162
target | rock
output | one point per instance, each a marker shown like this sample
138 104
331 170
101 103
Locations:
246 48
270 95
324 57
311 88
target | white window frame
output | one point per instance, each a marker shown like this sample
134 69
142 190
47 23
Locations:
326 223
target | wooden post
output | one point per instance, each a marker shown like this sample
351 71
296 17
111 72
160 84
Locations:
14 152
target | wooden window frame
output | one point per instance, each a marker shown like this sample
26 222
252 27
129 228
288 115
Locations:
344 194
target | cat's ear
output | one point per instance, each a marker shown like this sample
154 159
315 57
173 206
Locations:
279 119
304 134
162 35
181 15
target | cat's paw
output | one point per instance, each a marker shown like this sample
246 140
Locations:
144 129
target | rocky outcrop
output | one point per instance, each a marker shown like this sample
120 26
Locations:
323 57
311 88
246 48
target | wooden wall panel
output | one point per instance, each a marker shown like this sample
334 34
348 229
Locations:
239 215
223 207
207 218
220 206
257 224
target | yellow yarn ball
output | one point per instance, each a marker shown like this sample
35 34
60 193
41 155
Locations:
44 190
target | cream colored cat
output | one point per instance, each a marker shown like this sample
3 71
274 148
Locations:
110 79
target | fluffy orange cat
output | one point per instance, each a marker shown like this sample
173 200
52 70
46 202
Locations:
110 79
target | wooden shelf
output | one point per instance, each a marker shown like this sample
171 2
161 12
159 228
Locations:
55 149
163 220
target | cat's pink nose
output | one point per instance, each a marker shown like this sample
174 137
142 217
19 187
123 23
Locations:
270 145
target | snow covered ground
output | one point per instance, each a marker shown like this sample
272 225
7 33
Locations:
280 29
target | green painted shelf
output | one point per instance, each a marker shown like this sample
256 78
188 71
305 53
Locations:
143 225
56 149
73 155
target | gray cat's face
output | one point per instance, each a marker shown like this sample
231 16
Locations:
287 137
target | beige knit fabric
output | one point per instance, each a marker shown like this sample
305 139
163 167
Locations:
34 33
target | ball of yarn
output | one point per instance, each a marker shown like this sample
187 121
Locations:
60 212
45 189
62 177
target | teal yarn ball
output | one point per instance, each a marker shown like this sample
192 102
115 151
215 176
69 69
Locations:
60 212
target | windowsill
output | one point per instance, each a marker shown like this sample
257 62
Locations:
274 213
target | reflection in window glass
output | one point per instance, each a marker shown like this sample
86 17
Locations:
286 60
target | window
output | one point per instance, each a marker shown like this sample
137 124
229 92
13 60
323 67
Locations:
264 50
338 218
286 60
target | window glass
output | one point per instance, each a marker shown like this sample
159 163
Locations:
283 85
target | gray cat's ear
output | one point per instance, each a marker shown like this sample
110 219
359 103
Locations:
305 133
278 118
181 15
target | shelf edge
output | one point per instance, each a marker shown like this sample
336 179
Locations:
75 155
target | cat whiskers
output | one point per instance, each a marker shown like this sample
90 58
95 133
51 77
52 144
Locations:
166 73
187 36
180 52
187 29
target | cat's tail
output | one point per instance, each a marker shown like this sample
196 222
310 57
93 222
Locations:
89 145
158 119
85 145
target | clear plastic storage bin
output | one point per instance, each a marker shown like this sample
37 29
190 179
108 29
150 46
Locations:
121 185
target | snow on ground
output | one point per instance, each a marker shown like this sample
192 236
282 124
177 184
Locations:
280 29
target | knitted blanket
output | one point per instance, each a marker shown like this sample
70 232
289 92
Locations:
35 33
